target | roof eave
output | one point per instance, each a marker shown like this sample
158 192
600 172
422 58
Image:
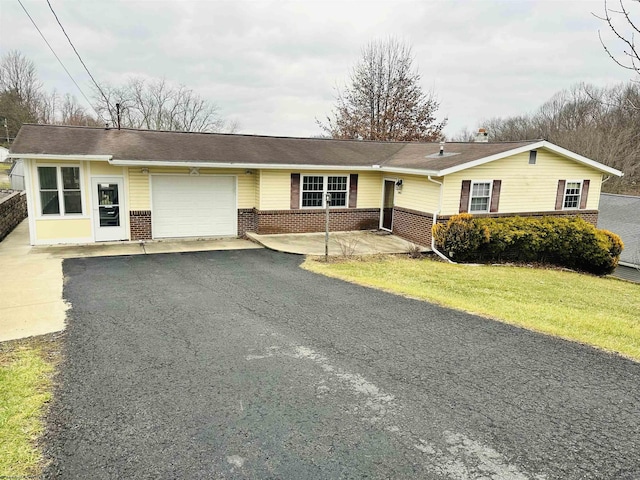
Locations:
74 157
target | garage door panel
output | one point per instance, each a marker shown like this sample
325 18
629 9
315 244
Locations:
188 206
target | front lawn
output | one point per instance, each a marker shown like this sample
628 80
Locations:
26 369
603 312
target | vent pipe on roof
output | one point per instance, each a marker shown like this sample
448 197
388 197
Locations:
441 148
482 136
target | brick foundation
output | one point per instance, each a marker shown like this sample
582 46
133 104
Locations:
412 225
590 216
246 221
13 210
140 224
308 221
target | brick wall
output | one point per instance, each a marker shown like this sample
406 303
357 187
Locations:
246 221
590 216
308 221
13 210
412 225
140 224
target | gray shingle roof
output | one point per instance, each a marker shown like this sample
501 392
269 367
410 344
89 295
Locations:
155 146
621 214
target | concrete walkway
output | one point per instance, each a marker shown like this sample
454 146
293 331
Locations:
340 243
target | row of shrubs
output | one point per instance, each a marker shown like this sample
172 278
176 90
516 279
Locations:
569 242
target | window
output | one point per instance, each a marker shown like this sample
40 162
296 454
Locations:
572 195
60 192
314 188
533 154
480 197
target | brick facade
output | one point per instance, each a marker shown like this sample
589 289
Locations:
590 216
246 221
412 225
308 221
13 210
140 224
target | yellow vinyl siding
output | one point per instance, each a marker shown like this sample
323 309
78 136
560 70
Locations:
104 168
417 193
525 188
275 188
139 197
139 184
369 189
61 229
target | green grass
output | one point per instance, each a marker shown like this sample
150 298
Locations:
602 312
26 369
4 169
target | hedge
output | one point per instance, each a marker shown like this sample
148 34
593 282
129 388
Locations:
565 241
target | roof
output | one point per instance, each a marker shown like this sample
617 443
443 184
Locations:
149 147
620 214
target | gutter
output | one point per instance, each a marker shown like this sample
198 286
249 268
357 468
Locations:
435 221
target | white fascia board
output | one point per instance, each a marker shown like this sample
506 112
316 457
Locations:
534 146
629 264
63 158
253 166
271 166
579 158
491 158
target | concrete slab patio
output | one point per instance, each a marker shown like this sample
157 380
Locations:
340 243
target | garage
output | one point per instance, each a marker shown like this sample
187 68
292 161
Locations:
193 206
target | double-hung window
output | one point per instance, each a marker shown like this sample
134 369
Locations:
572 195
60 192
315 188
480 197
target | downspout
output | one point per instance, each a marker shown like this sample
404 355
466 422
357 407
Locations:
435 221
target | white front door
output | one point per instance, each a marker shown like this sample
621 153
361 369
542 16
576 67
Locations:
108 200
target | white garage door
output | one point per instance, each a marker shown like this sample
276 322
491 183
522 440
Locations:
190 206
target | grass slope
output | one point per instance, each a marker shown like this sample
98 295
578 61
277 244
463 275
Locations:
26 368
603 312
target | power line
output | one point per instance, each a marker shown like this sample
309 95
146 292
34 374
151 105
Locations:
57 58
79 57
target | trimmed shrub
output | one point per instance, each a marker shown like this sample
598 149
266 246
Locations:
565 241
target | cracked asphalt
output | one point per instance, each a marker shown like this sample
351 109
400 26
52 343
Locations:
239 364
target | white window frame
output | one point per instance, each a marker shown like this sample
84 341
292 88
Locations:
564 195
59 184
325 183
471 197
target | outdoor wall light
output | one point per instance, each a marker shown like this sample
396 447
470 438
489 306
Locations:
248 172
144 170
399 184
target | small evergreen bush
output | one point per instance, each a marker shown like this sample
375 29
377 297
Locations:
565 241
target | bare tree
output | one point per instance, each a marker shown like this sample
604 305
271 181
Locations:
158 105
599 123
384 99
624 29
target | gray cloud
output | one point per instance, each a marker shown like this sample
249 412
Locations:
273 66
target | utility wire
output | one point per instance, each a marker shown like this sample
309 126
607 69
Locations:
79 57
57 58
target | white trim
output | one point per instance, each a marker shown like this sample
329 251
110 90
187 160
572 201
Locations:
629 264
387 179
476 182
325 185
534 146
60 188
118 179
61 158
31 214
564 195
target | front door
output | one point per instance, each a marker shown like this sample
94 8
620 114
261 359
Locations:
108 222
386 222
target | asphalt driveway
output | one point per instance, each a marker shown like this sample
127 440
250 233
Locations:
238 364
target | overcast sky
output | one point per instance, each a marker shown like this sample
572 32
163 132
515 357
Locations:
274 66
